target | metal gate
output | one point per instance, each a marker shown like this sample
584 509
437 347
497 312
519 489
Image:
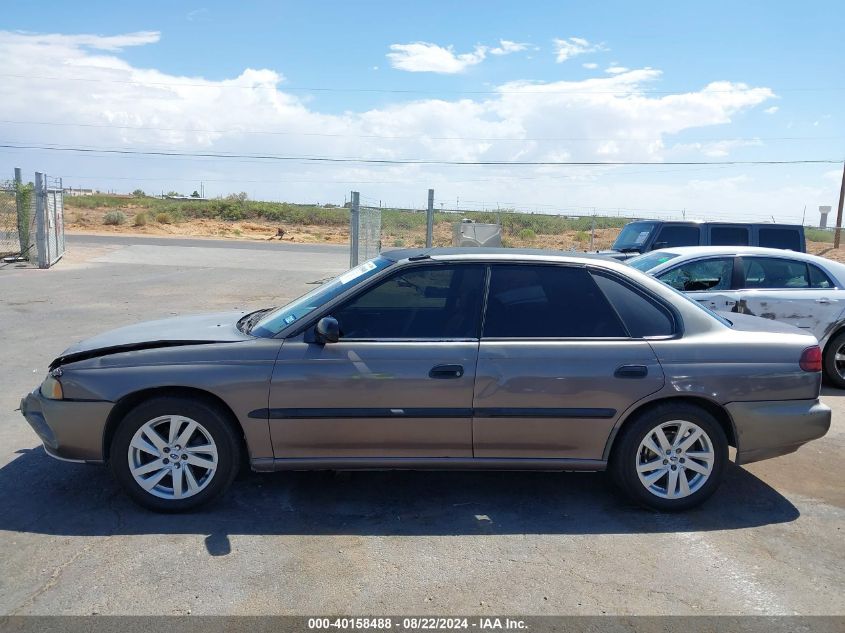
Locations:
50 224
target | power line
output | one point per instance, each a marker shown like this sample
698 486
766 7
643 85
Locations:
411 138
226 86
408 161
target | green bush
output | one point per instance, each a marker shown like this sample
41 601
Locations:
114 218
163 218
399 242
527 234
140 219
818 235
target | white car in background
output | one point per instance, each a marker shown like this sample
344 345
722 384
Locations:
804 290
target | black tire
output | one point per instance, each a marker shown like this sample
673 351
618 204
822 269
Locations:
829 361
212 419
623 461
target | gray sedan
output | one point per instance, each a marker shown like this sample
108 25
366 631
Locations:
497 359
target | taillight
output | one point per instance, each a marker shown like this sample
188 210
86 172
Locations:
811 359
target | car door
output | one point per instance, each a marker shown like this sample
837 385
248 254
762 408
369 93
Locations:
789 290
399 381
708 280
556 367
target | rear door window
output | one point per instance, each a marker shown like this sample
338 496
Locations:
701 275
528 301
773 272
730 236
670 236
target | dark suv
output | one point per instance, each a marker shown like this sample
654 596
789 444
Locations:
642 236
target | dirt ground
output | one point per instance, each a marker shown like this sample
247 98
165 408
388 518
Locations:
90 221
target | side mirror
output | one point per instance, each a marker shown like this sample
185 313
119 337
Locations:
328 330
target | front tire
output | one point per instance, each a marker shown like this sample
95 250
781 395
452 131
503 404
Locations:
670 458
173 454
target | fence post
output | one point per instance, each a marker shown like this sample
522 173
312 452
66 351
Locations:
354 224
41 222
429 219
23 214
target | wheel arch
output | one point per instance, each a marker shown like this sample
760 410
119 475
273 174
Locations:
125 404
719 412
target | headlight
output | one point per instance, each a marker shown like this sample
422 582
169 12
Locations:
51 388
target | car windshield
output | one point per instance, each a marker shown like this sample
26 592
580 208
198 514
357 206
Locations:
278 319
650 260
633 236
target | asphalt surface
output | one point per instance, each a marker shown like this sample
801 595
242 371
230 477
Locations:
769 542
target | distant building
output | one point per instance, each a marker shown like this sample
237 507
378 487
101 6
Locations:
70 191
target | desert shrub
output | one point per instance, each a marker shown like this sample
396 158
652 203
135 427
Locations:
399 242
527 234
163 218
114 218
140 219
139 193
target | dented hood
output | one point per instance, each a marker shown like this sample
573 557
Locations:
187 330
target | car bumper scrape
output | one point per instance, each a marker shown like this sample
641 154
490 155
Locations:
69 429
768 429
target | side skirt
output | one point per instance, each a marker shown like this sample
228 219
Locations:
426 463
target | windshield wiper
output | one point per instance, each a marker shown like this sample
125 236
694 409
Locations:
629 249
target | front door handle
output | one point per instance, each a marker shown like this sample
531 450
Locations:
446 371
631 371
823 300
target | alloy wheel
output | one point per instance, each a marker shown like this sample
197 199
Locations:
675 459
172 457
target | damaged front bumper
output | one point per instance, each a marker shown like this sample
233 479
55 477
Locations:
71 430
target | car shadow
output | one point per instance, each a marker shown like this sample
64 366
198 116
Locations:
44 496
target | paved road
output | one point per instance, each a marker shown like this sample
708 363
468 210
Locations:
770 542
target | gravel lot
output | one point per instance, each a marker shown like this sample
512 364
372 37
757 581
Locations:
771 541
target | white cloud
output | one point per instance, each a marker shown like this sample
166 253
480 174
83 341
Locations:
771 110
424 57
590 65
616 70
99 42
123 105
569 48
506 47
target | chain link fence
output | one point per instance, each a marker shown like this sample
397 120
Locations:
17 221
32 220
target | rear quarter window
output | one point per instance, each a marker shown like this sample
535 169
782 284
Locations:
789 239
642 315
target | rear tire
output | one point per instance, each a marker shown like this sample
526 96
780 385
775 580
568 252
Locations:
831 373
670 457
172 454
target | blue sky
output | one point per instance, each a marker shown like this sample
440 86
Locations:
654 82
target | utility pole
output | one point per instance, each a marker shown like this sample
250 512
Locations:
839 211
429 219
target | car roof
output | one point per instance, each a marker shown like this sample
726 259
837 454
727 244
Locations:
495 254
689 251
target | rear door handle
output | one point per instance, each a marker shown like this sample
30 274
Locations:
631 371
446 371
823 300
